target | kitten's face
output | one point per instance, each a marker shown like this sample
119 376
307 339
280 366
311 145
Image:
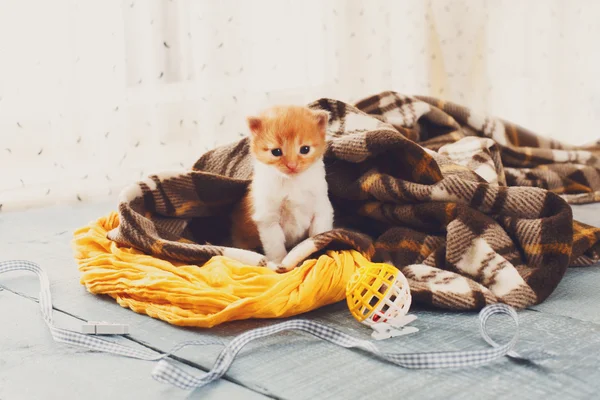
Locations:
289 139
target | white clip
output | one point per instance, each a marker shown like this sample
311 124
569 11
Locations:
104 328
386 330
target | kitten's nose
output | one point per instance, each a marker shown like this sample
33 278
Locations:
292 166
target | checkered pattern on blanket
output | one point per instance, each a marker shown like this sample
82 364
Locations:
472 209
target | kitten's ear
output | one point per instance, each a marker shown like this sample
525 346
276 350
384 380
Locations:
255 125
322 118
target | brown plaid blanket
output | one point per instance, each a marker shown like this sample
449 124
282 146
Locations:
472 209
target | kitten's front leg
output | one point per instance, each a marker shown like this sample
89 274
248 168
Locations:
323 218
273 241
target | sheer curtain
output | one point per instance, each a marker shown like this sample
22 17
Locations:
96 94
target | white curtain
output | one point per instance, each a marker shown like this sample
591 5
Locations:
96 94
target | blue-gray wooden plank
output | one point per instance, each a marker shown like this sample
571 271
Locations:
300 367
33 366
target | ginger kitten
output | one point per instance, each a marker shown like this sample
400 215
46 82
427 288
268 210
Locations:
287 200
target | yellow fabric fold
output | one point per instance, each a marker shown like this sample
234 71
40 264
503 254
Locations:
204 296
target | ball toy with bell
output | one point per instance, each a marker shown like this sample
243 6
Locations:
378 295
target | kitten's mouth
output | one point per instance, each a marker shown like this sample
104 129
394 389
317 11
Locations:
290 174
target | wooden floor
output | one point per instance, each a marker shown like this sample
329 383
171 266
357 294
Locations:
287 366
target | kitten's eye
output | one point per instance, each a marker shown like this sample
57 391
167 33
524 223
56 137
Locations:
304 150
277 152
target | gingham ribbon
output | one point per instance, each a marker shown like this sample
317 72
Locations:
80 339
170 373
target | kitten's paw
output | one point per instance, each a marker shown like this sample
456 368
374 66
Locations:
277 267
287 265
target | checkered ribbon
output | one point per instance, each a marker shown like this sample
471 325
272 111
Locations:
79 339
170 373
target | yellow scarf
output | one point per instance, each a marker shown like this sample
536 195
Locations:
204 296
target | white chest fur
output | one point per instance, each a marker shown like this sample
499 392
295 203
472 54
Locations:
290 202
